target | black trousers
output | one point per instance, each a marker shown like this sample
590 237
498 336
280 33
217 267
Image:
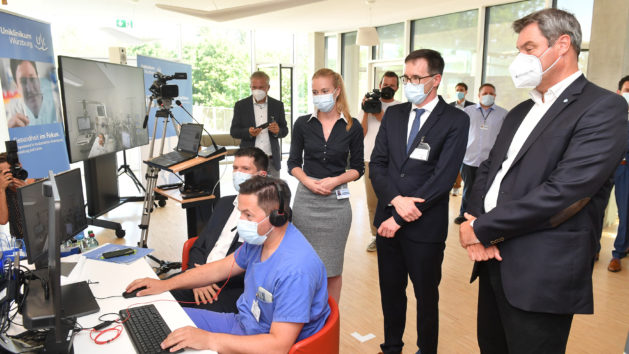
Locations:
225 302
468 173
399 258
504 329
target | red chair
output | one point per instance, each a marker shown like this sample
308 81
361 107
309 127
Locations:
185 253
326 341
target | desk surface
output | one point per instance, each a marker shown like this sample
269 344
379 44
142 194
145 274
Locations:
175 195
182 166
112 279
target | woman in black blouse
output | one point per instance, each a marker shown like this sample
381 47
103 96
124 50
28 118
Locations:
320 145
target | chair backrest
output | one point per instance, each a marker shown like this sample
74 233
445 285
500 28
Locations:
185 253
327 340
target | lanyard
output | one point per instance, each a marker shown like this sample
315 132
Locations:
485 116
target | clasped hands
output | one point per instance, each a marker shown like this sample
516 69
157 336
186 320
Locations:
323 186
406 208
475 250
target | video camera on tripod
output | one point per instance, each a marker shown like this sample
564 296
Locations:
164 92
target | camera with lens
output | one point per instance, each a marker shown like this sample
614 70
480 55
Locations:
161 90
372 103
14 162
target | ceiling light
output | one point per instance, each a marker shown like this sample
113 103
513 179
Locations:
367 36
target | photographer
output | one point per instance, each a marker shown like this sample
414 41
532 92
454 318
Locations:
9 211
371 123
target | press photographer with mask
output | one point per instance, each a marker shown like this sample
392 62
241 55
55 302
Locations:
371 124
10 180
285 296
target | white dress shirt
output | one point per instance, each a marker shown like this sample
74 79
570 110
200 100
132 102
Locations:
526 127
484 128
428 108
260 110
373 125
227 236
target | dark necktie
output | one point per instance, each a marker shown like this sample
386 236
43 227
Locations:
414 128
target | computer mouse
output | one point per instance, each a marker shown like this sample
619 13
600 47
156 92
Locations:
133 293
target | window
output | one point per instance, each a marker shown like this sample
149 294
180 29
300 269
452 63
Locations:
455 37
331 53
500 41
582 10
391 42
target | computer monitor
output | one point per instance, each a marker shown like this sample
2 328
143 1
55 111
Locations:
108 94
84 124
35 214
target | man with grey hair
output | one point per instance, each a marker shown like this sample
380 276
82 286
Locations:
537 203
259 121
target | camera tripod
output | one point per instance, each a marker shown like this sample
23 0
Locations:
153 172
125 168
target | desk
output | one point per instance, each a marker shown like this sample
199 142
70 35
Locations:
112 279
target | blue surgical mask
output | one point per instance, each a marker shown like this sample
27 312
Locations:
248 231
487 100
626 96
415 92
239 178
324 102
460 95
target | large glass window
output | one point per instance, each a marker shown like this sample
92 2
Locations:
391 42
331 53
455 37
500 42
582 10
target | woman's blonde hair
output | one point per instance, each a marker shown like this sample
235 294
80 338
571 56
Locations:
341 100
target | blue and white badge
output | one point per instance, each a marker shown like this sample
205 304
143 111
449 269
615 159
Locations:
421 152
342 193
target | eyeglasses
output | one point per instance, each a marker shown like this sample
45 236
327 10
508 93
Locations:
415 79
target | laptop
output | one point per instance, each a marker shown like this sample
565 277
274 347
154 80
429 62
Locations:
187 147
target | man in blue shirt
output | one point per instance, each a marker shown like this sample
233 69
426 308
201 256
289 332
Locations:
285 297
486 119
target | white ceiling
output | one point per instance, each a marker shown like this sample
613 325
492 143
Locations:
324 16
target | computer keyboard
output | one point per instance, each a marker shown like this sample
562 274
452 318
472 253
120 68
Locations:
147 329
172 158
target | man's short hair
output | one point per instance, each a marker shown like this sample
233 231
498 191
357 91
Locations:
391 74
14 63
461 84
260 75
553 23
260 160
486 84
265 188
622 82
432 57
3 157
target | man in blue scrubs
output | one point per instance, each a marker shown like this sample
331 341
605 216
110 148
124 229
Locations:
285 297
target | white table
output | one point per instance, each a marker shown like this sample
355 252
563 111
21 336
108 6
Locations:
112 280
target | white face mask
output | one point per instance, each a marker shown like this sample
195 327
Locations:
258 95
239 178
526 70
415 92
324 102
626 96
487 100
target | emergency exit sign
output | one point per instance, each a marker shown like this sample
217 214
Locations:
124 23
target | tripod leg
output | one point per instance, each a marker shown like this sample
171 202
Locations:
149 199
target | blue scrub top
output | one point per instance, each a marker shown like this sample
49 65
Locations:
290 286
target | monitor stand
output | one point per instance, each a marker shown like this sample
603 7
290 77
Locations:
76 300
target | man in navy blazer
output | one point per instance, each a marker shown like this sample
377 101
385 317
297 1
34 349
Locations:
219 238
416 158
537 204
259 121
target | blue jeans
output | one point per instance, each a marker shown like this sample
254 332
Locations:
621 179
217 322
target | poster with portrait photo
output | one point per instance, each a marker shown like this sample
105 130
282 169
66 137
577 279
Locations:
29 92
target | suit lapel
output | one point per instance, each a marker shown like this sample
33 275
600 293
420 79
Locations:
568 96
423 131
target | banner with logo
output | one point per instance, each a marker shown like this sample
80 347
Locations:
168 68
31 111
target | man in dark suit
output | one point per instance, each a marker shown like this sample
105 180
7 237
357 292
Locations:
461 92
259 121
219 238
417 154
537 204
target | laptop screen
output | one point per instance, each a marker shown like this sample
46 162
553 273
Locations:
190 138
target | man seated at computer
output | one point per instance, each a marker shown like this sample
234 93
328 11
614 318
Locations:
220 238
285 297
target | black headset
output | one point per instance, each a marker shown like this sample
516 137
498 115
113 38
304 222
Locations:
279 217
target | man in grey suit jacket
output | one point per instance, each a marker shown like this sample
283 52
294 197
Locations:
259 121
537 203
